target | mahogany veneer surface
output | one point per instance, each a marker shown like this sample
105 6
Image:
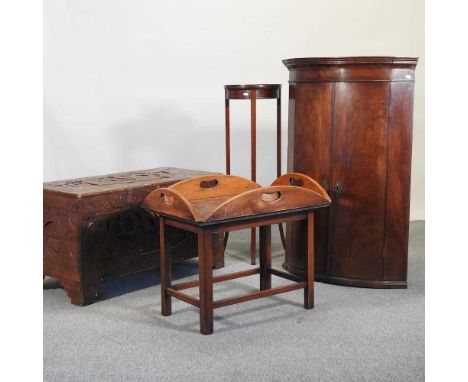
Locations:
350 127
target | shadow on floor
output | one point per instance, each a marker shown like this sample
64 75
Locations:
122 285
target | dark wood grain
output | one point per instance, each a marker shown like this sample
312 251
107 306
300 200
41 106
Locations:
182 296
285 275
309 287
217 279
400 136
350 127
261 91
94 229
253 166
278 134
309 153
265 257
259 294
205 258
360 166
253 136
228 136
165 279
244 222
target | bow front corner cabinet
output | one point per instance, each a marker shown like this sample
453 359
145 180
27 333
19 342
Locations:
350 127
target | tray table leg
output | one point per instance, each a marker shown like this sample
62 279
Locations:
253 246
205 264
218 250
165 270
265 257
283 238
309 289
278 134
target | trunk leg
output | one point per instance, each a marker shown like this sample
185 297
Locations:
165 270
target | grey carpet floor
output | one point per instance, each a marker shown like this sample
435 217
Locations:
352 334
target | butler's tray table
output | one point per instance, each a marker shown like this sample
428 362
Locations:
212 205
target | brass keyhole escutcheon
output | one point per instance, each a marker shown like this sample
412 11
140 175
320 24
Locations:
338 189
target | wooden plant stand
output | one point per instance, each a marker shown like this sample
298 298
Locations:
252 93
210 206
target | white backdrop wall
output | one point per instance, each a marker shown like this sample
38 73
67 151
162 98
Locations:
133 84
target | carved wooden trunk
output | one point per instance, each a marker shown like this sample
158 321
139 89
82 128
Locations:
350 127
94 229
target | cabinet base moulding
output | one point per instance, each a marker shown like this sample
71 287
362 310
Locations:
346 281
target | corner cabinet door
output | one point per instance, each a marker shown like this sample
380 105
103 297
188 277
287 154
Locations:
310 132
358 180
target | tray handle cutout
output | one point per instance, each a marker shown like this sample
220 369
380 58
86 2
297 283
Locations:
206 184
168 199
271 196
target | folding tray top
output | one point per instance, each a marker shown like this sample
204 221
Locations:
214 198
